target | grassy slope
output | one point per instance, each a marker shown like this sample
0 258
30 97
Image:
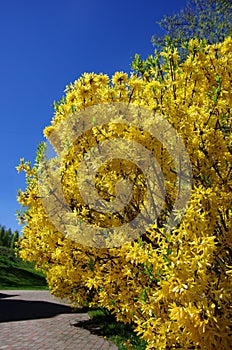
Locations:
17 274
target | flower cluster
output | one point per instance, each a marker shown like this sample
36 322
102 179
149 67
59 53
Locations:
174 286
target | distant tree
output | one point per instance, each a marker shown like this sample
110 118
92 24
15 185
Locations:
209 20
2 230
14 239
7 238
4 237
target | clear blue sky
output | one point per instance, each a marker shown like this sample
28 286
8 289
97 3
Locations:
44 46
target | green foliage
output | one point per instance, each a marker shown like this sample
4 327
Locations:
209 20
40 152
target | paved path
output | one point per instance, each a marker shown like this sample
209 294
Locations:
34 320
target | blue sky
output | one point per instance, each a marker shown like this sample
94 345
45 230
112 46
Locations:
44 46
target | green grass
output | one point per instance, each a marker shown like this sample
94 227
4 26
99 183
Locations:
17 274
118 332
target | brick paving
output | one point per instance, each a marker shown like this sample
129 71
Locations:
35 320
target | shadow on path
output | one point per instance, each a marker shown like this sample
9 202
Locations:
3 295
91 326
18 310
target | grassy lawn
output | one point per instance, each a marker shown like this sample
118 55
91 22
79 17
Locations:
17 274
122 335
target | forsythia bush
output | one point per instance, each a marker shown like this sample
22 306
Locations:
175 286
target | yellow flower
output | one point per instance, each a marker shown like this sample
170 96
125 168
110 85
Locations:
71 97
226 46
103 79
47 131
119 78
